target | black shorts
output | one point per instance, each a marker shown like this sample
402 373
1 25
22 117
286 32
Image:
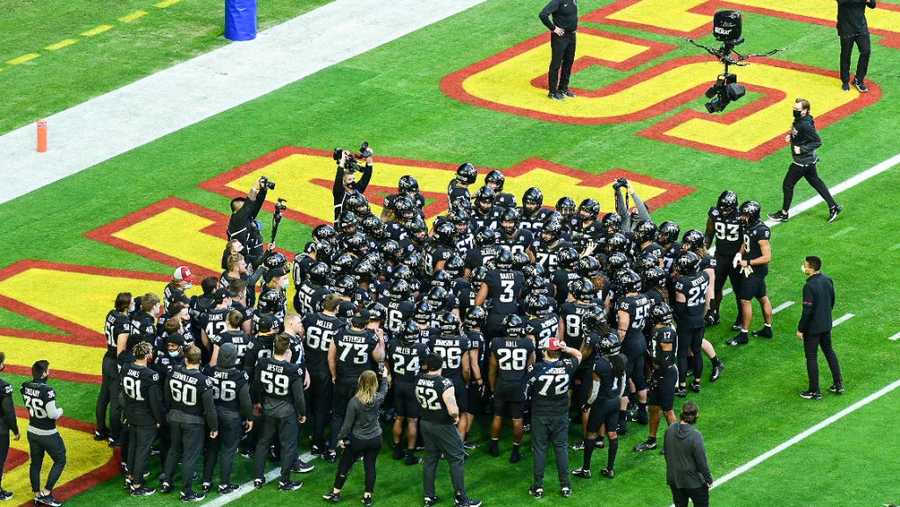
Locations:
474 400
634 369
581 390
662 392
405 402
508 401
603 411
752 287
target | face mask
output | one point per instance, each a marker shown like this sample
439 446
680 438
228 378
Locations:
187 286
284 283
803 269
797 114
174 354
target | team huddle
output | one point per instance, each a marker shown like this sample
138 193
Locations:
500 313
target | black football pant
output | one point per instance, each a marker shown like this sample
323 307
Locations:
108 398
320 399
563 56
795 172
368 449
811 345
864 43
690 341
4 451
140 441
442 438
288 431
680 496
545 431
725 270
223 448
187 444
46 444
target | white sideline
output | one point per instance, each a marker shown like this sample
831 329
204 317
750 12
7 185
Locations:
895 337
247 487
782 306
150 108
843 318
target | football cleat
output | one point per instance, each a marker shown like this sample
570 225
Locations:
47 500
192 497
225 489
717 371
609 473
289 485
834 212
811 395
764 332
582 473
142 491
565 492
536 491
332 497
836 389
258 483
165 487
647 445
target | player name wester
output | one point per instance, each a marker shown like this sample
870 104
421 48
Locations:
275 368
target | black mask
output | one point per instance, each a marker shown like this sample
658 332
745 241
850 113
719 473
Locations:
797 115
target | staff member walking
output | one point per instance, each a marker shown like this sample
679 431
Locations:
804 141
440 415
815 327
8 423
853 29
687 470
562 28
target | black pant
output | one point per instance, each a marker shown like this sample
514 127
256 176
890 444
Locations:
4 451
864 44
187 445
811 344
795 172
563 56
108 396
680 496
288 432
223 448
553 430
725 271
320 398
140 440
368 449
442 438
690 341
52 445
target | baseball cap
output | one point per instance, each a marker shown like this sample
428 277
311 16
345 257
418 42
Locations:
551 344
183 273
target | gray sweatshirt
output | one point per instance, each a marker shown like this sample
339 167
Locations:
686 465
362 420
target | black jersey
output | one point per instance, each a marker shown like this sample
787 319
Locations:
142 329
321 329
40 401
214 322
638 309
430 394
164 364
479 343
399 310
306 298
652 248
727 230
354 353
456 191
690 313
227 384
482 256
670 255
7 410
753 235
116 323
142 394
572 315
663 334
272 301
185 389
547 254
548 384
261 346
278 386
610 385
172 294
485 219
519 242
238 338
405 359
543 328
504 291
535 222
512 359
451 349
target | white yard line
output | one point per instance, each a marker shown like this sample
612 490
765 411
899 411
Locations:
192 91
843 318
842 232
727 291
783 306
895 337
247 487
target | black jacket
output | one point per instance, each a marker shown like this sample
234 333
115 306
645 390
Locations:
851 17
805 136
565 15
242 227
686 465
818 300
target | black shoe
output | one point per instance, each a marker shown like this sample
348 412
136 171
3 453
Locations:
556 96
368 501
225 489
622 429
599 444
206 487
165 487
5 495
467 502
329 455
494 448
430 500
565 492
302 467
640 417
860 86
142 491
811 395
411 459
47 500
101 435
246 453
836 389
470 446
647 445
779 216
515 456
609 473
258 483
192 497
289 485
695 386
567 93
764 332
845 87
332 497
740 339
834 212
114 444
581 473
536 491
736 326
717 371
680 391
398 452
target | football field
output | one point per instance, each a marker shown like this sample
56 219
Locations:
470 88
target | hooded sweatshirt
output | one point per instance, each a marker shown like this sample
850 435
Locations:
805 137
686 465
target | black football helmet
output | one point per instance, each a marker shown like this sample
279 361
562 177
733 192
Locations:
417 228
449 324
608 344
589 209
532 199
442 279
408 184
520 261
668 232
409 334
404 208
611 223
588 266
630 281
377 312
568 257
496 179
617 242
444 233
537 305
390 249
693 240
277 265
424 312
345 285
584 290
509 221
325 233
318 273
661 313
727 203
484 198
750 211
654 277
688 262
565 206
487 236
514 325
475 317
466 173
646 261
645 231
454 266
504 259
400 289
616 262
550 232
357 243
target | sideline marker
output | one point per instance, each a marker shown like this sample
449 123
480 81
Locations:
42 136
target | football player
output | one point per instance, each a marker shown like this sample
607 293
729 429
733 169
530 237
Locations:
502 289
320 330
724 225
632 309
116 329
43 437
664 376
466 174
140 388
533 215
456 352
8 423
495 180
756 253
511 356
691 287
404 357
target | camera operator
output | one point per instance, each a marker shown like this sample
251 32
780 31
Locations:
345 182
242 225
624 210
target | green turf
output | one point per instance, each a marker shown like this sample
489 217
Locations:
390 96
99 64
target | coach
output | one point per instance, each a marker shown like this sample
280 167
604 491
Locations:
687 470
815 327
562 44
853 29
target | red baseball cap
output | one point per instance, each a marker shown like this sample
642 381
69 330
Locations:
553 344
183 273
